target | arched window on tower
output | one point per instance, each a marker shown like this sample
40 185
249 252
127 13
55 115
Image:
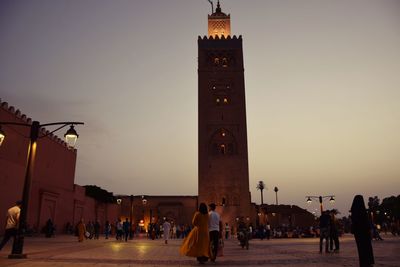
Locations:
222 149
224 62
222 143
223 202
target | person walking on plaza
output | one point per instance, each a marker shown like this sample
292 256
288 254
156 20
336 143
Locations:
334 232
96 229
227 230
49 228
197 242
90 230
107 229
214 228
81 230
361 229
324 224
268 230
12 222
167 229
119 230
126 227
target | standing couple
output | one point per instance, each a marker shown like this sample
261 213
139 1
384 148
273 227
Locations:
202 241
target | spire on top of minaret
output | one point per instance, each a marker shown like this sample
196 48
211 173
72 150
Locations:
219 24
218 10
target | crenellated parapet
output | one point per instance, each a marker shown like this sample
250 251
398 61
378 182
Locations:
217 38
16 112
22 118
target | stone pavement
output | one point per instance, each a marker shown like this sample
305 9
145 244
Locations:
66 251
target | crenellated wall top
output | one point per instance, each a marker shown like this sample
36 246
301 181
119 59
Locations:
234 37
19 116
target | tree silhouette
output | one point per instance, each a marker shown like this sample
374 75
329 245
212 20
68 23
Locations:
276 194
99 194
261 187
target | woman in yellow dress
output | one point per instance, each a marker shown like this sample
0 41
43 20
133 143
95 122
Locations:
197 243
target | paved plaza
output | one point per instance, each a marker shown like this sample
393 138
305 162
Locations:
66 251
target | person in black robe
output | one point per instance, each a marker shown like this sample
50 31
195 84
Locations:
361 229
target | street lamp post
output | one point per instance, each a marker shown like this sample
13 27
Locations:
70 137
131 217
320 199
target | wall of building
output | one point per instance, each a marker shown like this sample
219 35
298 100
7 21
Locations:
179 209
53 192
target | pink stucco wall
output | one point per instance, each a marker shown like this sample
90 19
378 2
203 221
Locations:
53 192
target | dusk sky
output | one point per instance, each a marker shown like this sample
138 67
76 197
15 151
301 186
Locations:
322 91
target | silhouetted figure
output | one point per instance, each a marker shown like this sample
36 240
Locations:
96 229
324 227
361 229
126 227
49 228
334 232
107 229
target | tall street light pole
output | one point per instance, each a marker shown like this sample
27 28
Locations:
70 137
320 199
131 217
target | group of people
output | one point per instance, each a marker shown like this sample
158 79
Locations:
156 230
204 239
91 230
328 231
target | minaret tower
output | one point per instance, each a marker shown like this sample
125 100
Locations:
223 157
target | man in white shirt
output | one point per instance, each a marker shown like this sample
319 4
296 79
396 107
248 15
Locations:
12 223
167 229
214 228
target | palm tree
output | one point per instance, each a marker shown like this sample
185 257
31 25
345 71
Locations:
276 194
261 187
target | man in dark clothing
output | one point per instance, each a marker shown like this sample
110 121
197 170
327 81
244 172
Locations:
324 228
334 232
96 229
126 228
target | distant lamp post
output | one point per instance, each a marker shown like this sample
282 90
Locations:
131 218
70 138
144 200
320 200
